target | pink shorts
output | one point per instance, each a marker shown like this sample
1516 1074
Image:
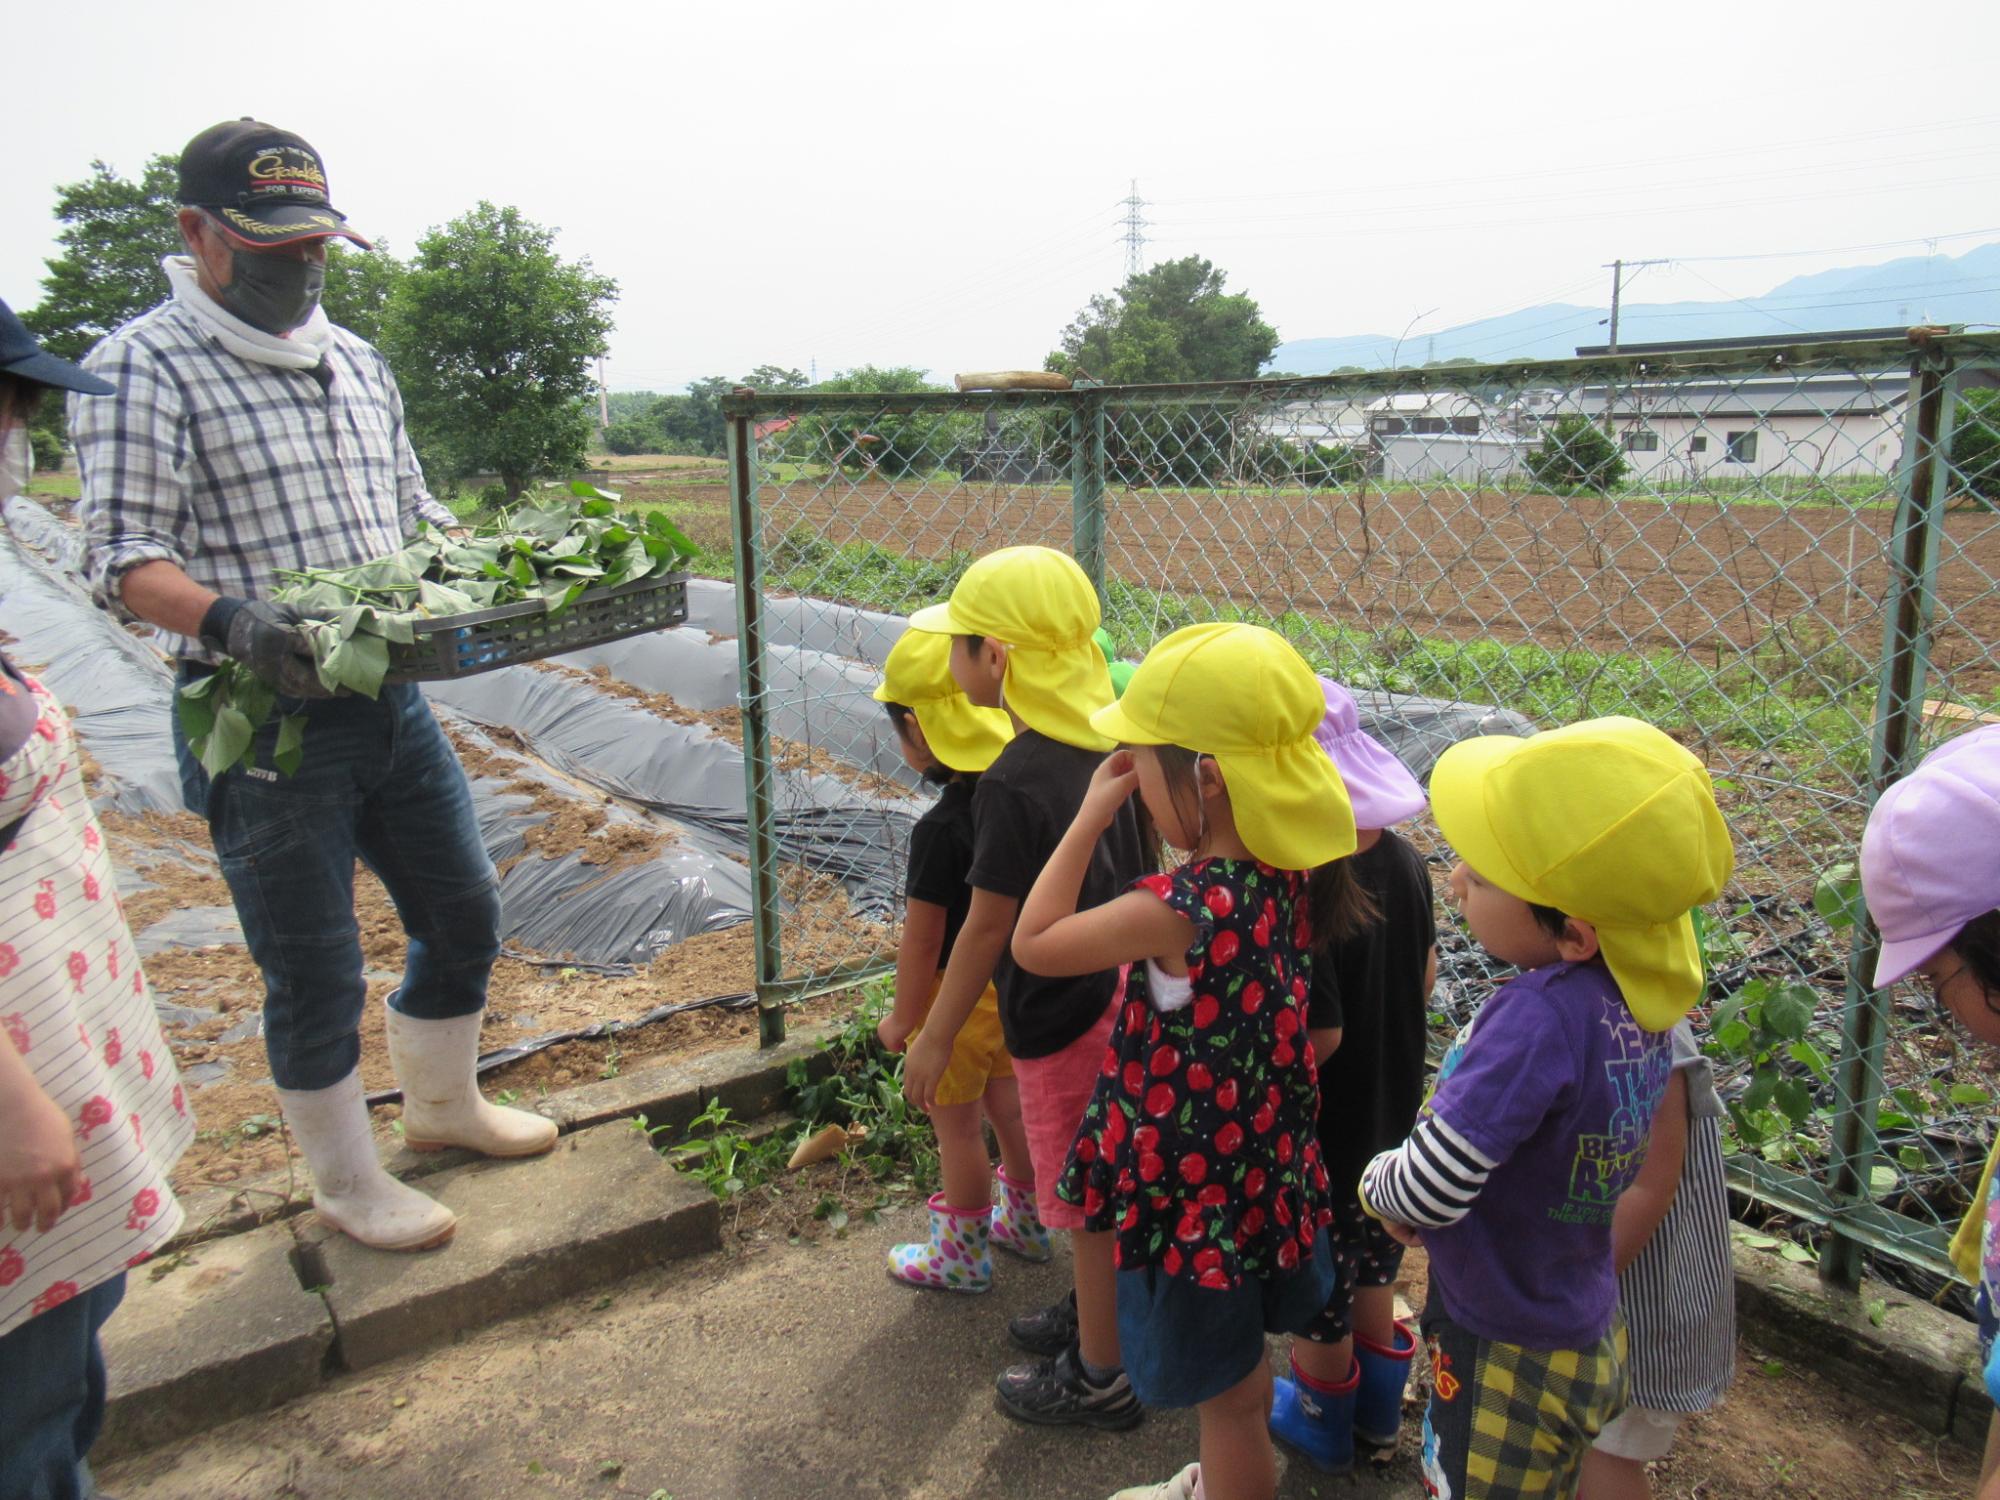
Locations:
1055 1091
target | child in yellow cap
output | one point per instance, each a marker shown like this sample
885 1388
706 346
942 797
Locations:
1021 621
948 741
1200 1148
1581 852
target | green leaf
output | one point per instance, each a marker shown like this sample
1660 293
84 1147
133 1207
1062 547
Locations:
1758 1094
1812 1058
1892 1119
443 599
1758 1241
1797 1254
1793 1100
1911 1158
1878 1309
197 713
227 741
289 752
1967 1095
583 489
1789 1011
367 665
1837 895
1733 1037
1882 1181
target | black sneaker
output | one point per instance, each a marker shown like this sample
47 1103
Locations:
1046 1331
1055 1393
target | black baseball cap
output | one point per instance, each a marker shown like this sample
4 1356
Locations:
25 359
264 185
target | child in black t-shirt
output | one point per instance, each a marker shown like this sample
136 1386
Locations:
948 741
1020 623
1370 999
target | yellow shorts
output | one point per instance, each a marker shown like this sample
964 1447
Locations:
978 1056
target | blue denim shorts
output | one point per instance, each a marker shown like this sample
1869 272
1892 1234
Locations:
1184 1344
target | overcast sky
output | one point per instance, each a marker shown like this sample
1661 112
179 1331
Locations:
939 184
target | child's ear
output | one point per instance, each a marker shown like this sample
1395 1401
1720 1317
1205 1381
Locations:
1209 777
1578 944
914 733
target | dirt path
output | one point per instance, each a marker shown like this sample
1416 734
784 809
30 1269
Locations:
779 1371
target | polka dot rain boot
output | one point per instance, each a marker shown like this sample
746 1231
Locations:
957 1258
1017 1226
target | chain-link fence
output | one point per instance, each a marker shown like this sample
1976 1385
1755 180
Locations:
1769 552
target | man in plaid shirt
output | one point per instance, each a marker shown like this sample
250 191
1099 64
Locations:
250 437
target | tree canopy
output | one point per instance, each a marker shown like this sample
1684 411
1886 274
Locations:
1174 322
492 335
114 231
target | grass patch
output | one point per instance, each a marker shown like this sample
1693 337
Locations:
55 486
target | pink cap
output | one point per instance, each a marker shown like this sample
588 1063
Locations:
1383 791
1930 856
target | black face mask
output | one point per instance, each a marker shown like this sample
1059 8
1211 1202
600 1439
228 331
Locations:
273 292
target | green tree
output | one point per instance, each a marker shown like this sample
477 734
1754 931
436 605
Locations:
860 439
1975 447
1577 455
107 271
359 286
492 336
1172 323
775 378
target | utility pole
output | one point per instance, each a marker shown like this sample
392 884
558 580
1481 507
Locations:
603 396
1617 270
1135 232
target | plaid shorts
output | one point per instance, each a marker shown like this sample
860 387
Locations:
1364 1254
1505 1421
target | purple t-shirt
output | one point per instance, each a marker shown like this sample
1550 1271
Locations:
1556 1082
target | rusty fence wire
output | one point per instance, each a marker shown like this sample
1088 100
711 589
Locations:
1787 557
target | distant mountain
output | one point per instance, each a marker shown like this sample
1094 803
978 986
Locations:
1896 293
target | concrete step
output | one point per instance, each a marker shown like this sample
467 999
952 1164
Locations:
245 1322
600 1206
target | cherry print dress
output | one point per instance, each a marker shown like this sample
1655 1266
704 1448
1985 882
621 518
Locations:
76 1006
1199 1145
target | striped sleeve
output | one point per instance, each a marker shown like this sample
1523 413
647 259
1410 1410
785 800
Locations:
1430 1180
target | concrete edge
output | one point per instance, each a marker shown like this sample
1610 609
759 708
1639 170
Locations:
669 1093
1920 1362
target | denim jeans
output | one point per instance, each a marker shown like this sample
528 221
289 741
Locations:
52 1397
378 781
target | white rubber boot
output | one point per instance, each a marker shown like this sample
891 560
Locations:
442 1105
351 1192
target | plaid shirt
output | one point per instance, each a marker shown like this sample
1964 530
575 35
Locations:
236 471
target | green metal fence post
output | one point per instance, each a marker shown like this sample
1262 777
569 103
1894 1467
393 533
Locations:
1924 484
757 766
1086 487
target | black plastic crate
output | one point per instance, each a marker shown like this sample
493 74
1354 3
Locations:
465 645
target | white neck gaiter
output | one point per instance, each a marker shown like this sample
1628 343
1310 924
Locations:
301 349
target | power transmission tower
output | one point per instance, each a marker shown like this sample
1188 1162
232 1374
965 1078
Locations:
1135 232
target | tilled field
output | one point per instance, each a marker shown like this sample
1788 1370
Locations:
1559 571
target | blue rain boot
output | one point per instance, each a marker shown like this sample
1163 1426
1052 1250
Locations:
1316 1419
1378 1410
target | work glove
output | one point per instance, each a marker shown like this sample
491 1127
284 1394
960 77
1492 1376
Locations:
266 638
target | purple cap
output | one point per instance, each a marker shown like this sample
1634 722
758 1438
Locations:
1930 856
1383 791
